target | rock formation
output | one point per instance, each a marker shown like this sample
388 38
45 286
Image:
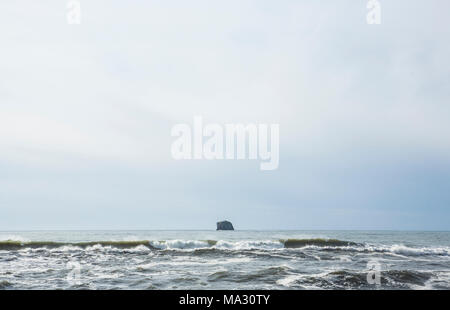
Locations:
224 225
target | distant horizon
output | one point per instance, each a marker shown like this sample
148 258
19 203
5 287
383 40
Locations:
235 230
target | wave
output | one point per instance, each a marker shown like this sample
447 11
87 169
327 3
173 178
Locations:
248 244
395 250
265 275
299 243
353 279
332 245
179 244
389 278
11 245
424 251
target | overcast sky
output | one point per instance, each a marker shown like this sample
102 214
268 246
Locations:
86 113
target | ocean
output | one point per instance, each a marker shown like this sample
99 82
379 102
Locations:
224 260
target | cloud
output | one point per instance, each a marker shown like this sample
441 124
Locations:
102 96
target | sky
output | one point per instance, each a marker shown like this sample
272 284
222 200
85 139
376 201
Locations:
86 113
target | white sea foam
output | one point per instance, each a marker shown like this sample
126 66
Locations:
221 244
296 279
248 245
396 249
179 244
192 263
409 251
289 280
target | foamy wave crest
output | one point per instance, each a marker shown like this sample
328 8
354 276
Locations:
396 249
13 238
408 251
248 245
180 244
213 244
176 244
299 243
186 245
20 245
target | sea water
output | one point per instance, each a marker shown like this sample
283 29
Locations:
224 260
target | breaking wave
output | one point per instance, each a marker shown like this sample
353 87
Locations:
333 245
408 251
179 244
298 243
11 245
347 279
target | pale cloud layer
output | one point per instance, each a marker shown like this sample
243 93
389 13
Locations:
86 112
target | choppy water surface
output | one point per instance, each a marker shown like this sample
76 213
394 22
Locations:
224 260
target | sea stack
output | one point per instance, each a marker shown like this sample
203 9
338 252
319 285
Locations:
224 225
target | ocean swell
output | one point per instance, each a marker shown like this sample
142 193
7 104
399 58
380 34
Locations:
325 245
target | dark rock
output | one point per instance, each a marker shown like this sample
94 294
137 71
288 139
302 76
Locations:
224 225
